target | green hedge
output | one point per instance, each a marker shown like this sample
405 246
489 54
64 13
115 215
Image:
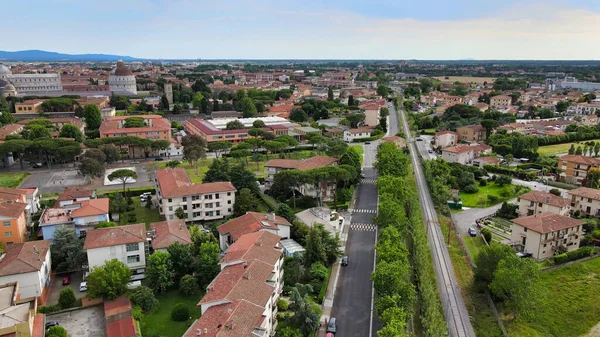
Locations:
368 139
270 206
574 255
323 290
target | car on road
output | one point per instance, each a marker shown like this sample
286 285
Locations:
51 324
331 326
37 165
419 139
472 231
430 151
83 286
345 261
159 159
66 280
367 143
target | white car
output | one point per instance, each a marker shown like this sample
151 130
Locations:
83 286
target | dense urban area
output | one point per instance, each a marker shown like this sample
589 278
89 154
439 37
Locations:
300 198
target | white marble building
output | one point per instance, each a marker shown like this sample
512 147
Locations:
29 83
122 81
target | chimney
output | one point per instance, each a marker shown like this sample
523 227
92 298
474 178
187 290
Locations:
271 216
246 276
548 199
198 332
258 243
229 326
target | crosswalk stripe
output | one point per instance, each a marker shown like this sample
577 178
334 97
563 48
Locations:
370 211
363 227
368 181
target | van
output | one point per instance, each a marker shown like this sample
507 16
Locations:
134 284
331 327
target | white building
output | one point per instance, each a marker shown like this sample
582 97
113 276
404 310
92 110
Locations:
209 201
537 202
122 81
464 154
31 83
124 243
446 138
586 200
372 114
29 264
74 195
586 108
251 222
359 133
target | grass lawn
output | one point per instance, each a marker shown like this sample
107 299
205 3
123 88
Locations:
158 322
480 199
559 148
142 214
473 244
571 305
12 180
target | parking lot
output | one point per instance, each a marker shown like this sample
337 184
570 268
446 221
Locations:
88 322
57 286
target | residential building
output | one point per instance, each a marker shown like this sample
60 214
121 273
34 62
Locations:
585 200
446 138
359 133
200 202
124 243
251 222
500 101
73 195
19 318
165 233
14 218
29 196
10 129
516 127
325 191
464 154
537 202
575 168
372 114
471 133
542 234
29 265
81 216
246 290
119 318
214 130
399 141
487 160
587 108
156 127
59 122
29 107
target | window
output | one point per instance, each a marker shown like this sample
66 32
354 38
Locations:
217 195
218 213
208 197
8 234
6 223
132 247
184 198
210 213
228 202
228 194
208 205
185 207
229 210
170 208
170 200
133 259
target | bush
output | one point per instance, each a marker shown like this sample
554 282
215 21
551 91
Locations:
282 305
574 255
180 313
483 182
188 285
49 309
67 299
56 331
144 297
492 199
471 188
503 180
487 235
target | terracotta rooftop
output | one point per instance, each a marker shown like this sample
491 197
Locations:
249 223
24 257
238 318
360 130
12 209
302 165
586 192
475 127
115 236
14 194
441 133
545 198
119 322
176 183
547 222
10 129
579 159
111 125
467 148
71 193
169 232
91 207
261 245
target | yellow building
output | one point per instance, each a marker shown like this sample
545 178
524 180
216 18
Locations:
14 222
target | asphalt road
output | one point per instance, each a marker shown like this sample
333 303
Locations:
424 146
457 316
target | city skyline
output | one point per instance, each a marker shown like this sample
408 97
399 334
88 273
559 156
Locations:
182 29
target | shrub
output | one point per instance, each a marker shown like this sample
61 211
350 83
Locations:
282 305
144 297
555 191
56 331
492 199
503 180
180 312
574 255
483 182
188 285
471 188
67 299
487 234
48 309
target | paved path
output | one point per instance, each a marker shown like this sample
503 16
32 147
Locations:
466 218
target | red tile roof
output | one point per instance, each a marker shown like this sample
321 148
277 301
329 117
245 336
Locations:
12 209
547 222
281 108
249 223
441 133
38 326
169 232
119 322
586 192
91 207
117 306
467 148
235 319
261 245
579 159
176 183
71 193
10 129
545 198
124 327
302 165
115 236
14 194
24 257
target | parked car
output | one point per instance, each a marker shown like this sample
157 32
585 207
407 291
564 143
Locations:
37 165
159 159
66 280
83 286
524 255
419 139
344 261
135 162
331 326
472 231
51 324
430 151
367 143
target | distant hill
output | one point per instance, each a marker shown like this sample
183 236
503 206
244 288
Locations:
48 56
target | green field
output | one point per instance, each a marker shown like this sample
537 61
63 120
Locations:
12 180
559 148
142 214
570 306
158 322
480 199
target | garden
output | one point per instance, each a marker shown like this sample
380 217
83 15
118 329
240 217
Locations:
491 193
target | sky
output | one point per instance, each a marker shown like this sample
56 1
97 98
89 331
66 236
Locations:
307 29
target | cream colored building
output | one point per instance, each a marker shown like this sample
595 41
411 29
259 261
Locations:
446 138
586 200
500 101
537 202
542 234
372 114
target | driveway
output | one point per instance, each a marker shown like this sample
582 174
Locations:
88 322
465 219
538 186
56 286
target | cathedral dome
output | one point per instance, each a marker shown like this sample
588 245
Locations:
4 70
122 70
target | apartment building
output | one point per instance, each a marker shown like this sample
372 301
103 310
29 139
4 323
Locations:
251 222
471 133
575 168
156 127
500 101
446 138
537 202
542 234
587 108
464 154
29 196
14 220
29 107
19 314
242 299
30 265
200 202
586 200
359 133
372 114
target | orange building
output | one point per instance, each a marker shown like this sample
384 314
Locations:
156 127
30 106
14 222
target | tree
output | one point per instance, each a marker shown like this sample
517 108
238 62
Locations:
159 271
391 160
503 180
7 118
298 115
555 191
180 213
106 224
350 100
284 211
188 285
234 125
108 281
248 108
517 283
315 249
579 151
593 178
17 147
56 331
508 211
218 171
244 202
92 116
67 250
257 158
242 178
288 331
164 103
219 147
383 91
91 168
181 258
111 152
572 149
173 164
95 154
330 94
37 132
122 175
307 314
562 106
487 261
71 131
66 298
208 263
489 125
180 313
144 297
258 124
200 236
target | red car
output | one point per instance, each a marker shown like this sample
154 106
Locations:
66 280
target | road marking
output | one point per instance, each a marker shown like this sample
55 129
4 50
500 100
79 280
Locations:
367 227
370 211
368 181
372 284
